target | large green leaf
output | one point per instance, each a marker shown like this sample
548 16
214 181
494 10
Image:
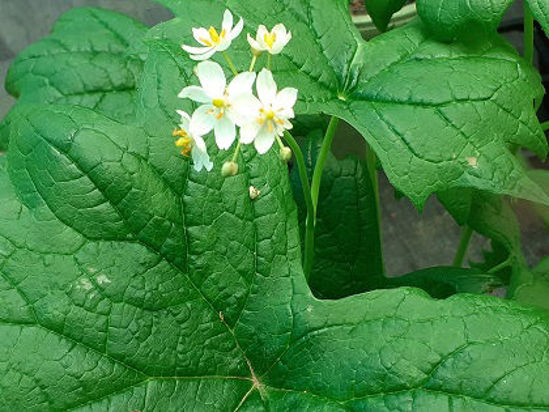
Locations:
437 115
381 11
85 61
448 19
540 10
99 314
533 287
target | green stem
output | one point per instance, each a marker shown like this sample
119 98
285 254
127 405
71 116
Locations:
237 151
545 126
371 160
252 64
269 60
466 233
308 253
321 160
230 63
502 265
528 34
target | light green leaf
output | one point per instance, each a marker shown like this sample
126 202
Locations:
381 11
449 19
438 116
533 287
540 10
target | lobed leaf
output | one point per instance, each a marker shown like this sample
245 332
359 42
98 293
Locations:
381 11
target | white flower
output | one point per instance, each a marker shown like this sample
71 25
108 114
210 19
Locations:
220 101
192 142
273 41
269 115
211 40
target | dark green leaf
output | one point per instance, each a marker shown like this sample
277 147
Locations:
533 286
381 11
540 10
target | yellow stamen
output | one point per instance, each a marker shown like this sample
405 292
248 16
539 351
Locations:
270 115
219 115
186 151
183 142
213 35
179 132
223 33
218 103
270 126
269 39
206 42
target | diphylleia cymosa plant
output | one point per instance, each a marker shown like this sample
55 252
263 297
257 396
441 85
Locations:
218 273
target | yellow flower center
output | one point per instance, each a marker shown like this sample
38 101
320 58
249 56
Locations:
184 141
270 115
269 39
219 103
215 38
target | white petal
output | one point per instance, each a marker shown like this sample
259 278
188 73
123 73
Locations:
280 31
195 50
201 159
225 133
198 94
224 44
241 84
237 30
204 56
261 32
200 143
211 78
202 122
264 140
253 43
200 34
185 119
266 87
285 99
244 109
227 24
249 131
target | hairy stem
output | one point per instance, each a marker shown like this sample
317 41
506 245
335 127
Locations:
319 166
466 233
528 34
371 161
309 223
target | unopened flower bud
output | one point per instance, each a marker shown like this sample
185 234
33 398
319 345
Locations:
229 169
256 52
285 154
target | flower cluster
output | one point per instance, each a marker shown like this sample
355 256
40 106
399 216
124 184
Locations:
232 111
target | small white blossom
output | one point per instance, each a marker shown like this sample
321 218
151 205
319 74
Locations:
192 142
218 111
212 41
270 41
269 116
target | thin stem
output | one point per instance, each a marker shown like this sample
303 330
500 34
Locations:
466 233
500 266
545 126
319 167
528 34
236 151
230 63
280 144
252 64
371 160
308 253
269 60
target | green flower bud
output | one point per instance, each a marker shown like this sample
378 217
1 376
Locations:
229 169
285 154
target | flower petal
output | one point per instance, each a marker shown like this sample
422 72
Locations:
201 159
253 43
225 133
261 32
211 78
264 140
241 84
185 119
195 50
227 24
266 87
195 93
237 29
204 56
200 34
244 109
201 121
285 99
249 131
